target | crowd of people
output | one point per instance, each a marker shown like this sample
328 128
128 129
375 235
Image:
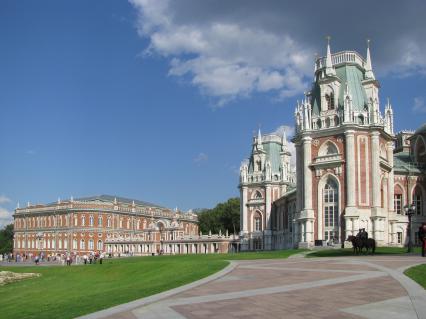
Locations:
62 259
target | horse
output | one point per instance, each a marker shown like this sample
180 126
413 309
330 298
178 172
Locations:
359 243
356 243
369 243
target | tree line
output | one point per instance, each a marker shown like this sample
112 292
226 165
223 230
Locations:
223 217
6 239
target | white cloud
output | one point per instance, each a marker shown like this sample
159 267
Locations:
289 131
4 199
5 217
224 59
232 49
419 105
201 157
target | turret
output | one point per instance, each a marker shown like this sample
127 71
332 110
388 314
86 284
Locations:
347 105
389 118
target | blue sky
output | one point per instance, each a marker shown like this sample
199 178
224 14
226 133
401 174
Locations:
158 100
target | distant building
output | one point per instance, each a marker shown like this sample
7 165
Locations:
352 171
110 224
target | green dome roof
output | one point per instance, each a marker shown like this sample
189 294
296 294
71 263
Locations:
354 76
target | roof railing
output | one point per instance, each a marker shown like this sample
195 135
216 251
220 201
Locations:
341 58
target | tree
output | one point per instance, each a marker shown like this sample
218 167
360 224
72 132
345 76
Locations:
6 239
225 217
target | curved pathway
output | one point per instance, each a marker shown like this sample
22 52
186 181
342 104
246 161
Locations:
342 287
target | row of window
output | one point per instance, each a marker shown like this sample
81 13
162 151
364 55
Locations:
51 244
399 207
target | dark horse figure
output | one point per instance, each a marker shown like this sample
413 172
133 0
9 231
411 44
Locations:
359 242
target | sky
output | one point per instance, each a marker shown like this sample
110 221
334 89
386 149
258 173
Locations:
159 100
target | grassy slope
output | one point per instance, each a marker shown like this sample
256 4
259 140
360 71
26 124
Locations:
349 252
418 274
67 292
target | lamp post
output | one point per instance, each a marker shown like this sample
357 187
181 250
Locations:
409 211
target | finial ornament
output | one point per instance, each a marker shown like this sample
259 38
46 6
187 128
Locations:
328 38
368 43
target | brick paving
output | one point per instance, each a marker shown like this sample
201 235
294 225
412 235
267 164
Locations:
343 287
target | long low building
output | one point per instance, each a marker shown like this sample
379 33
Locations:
110 224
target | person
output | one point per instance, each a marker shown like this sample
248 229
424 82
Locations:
68 260
101 257
85 259
422 238
36 260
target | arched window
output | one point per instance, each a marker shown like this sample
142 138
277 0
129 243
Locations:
328 148
83 220
417 200
91 220
329 99
74 244
257 195
398 199
259 165
100 220
100 246
331 210
109 221
91 244
257 222
82 244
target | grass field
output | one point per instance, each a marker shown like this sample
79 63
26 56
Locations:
349 252
67 292
418 274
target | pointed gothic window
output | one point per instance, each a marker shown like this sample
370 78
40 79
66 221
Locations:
417 200
257 222
331 213
329 98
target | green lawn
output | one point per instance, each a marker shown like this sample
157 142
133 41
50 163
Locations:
349 252
418 274
67 292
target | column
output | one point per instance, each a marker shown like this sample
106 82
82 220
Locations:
302 231
299 185
307 180
391 177
375 169
350 168
268 207
244 216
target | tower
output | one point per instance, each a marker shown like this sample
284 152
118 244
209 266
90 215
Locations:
344 152
264 177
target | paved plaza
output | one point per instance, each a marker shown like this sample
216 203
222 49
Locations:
343 287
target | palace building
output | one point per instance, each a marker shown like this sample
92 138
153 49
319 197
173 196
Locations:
110 224
352 170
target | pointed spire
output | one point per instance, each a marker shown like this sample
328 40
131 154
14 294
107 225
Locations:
72 199
115 200
17 206
368 67
329 70
133 203
284 138
259 140
59 200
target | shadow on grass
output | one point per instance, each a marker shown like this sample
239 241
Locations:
349 252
